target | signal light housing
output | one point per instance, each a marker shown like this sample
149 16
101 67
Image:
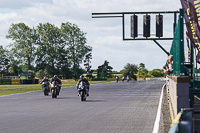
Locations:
146 25
159 25
134 26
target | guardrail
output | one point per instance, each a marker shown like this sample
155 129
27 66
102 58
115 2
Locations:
5 81
18 81
183 122
15 81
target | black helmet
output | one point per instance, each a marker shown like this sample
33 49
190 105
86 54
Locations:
81 77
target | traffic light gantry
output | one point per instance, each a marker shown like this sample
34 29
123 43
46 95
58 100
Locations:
146 25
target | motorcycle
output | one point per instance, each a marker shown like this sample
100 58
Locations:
82 90
117 79
55 89
45 88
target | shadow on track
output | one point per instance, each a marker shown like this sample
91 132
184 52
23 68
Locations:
65 98
95 101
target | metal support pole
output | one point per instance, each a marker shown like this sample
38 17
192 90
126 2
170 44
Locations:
191 59
174 21
161 47
181 42
123 29
191 93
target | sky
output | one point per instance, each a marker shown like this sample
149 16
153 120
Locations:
103 35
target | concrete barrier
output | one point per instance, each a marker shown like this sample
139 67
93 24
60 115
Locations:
178 94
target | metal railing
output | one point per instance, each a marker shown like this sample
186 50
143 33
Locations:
183 122
177 48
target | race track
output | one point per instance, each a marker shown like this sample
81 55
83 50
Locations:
111 108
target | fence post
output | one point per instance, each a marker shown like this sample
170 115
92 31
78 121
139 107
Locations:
182 41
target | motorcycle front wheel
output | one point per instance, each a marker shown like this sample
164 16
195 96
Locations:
57 91
46 93
82 95
54 93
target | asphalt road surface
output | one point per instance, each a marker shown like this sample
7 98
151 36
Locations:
111 108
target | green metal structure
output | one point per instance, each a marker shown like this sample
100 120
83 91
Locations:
180 67
177 48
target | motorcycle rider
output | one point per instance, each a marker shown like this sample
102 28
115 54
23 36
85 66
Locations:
127 78
82 78
123 78
117 79
45 79
55 78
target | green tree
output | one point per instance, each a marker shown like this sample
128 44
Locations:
130 69
42 73
87 65
75 41
14 68
156 73
63 66
104 70
56 50
141 66
50 48
4 61
142 72
23 47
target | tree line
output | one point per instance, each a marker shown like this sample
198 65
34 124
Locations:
139 71
44 50
132 70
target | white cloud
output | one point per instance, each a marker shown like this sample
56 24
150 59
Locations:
18 4
104 35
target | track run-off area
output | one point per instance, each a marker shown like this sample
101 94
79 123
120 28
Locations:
123 107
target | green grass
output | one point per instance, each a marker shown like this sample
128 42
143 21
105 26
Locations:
13 89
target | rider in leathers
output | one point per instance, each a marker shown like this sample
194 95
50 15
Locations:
86 81
45 79
55 78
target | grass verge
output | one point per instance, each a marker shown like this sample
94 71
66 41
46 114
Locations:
13 89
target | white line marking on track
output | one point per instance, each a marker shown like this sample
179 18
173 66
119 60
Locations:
157 121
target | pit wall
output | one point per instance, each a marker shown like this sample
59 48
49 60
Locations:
178 93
